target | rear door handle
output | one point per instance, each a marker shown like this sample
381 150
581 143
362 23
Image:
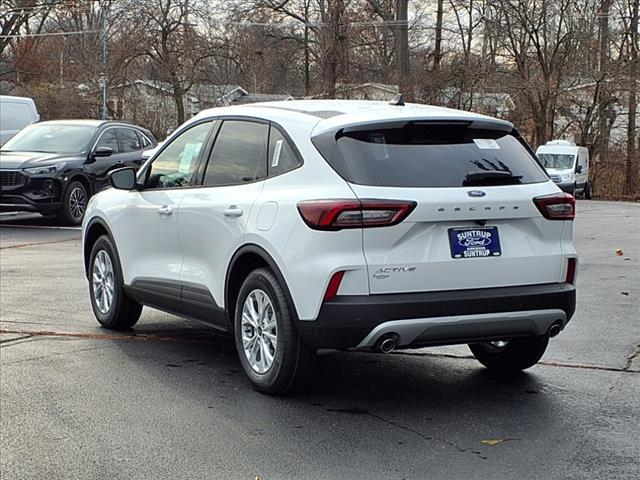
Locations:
165 210
233 212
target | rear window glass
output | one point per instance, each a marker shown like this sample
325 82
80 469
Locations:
426 154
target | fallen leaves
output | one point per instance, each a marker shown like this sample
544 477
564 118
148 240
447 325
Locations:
492 442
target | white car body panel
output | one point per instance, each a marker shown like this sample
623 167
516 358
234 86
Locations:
15 114
208 237
532 249
147 240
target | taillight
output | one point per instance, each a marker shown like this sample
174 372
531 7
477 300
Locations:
334 285
571 271
557 206
339 214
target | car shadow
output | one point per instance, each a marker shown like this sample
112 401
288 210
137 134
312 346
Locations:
347 383
28 220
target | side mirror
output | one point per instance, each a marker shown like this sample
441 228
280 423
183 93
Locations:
103 152
123 178
579 169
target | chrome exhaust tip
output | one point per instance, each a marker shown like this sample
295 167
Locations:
387 343
555 329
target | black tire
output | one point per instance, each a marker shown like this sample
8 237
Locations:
74 204
587 191
293 360
518 354
123 312
574 189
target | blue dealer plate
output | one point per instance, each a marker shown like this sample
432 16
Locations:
474 242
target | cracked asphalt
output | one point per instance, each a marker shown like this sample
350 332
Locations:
168 399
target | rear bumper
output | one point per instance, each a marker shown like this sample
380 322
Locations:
440 318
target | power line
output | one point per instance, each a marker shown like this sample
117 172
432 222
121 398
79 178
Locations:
52 34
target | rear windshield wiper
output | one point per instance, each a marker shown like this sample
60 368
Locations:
490 177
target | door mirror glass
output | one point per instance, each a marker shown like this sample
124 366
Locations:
578 168
103 152
123 178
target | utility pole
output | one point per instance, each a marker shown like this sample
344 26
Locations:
105 67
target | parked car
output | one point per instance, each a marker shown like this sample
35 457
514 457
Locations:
149 153
567 165
352 225
15 114
54 167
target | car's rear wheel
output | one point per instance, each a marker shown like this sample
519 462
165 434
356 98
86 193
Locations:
111 305
510 355
74 204
272 354
587 191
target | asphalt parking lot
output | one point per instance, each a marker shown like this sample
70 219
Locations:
169 400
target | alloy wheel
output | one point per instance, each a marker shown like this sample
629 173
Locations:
77 203
259 331
103 281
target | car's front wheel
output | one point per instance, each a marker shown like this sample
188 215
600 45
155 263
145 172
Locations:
272 354
74 204
112 307
510 355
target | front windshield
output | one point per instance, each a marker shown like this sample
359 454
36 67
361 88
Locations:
560 161
51 139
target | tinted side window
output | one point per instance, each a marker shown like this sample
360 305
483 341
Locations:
239 154
177 164
430 154
109 139
282 156
129 140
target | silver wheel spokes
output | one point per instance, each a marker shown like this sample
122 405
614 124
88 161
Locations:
77 203
103 281
259 332
499 344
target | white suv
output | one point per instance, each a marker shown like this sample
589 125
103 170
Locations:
352 225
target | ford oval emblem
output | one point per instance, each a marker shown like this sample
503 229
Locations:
476 193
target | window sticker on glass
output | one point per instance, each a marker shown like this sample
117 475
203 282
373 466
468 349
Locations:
276 153
188 154
486 143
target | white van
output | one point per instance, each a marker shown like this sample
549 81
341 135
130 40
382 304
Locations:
15 114
567 165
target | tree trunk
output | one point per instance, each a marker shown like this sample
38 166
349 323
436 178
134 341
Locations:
178 97
402 48
334 47
437 53
632 173
307 89
602 139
